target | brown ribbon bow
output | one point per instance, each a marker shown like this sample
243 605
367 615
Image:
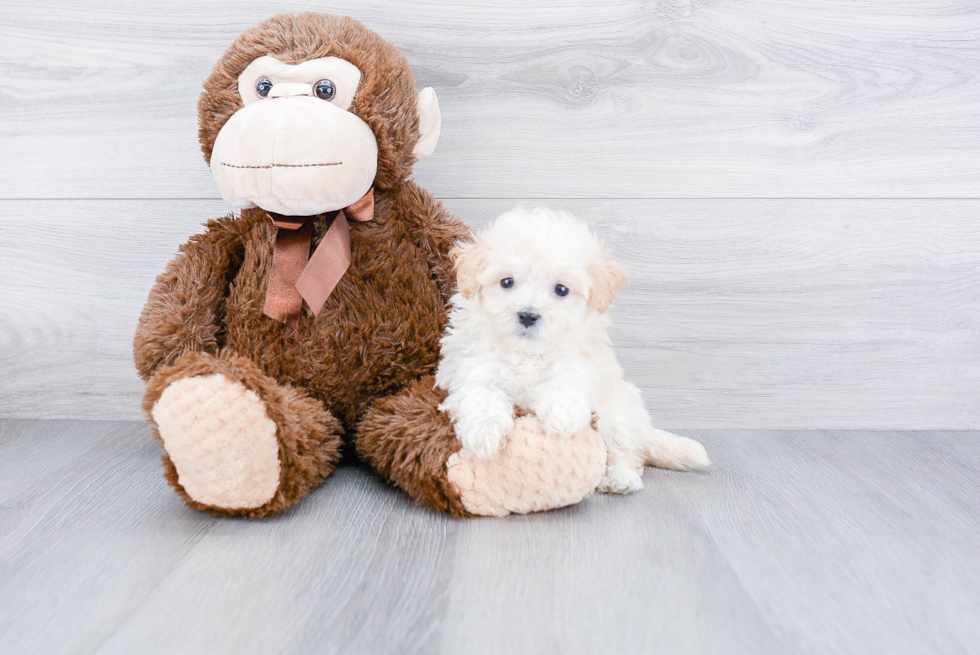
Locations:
296 276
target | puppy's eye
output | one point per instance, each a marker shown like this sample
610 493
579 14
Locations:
507 282
325 90
561 289
263 86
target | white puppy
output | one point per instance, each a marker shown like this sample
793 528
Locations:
528 329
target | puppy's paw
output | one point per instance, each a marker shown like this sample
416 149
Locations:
620 479
484 435
565 416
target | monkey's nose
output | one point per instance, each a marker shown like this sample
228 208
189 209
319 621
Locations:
288 89
527 317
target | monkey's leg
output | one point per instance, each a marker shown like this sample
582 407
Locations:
412 444
235 442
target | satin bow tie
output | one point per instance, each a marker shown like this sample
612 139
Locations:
296 276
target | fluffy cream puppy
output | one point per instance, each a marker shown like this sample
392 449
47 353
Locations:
528 329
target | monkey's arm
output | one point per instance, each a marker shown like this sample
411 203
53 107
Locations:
438 232
185 310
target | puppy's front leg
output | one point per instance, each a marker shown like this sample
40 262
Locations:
566 399
483 417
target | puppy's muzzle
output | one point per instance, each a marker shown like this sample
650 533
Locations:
527 317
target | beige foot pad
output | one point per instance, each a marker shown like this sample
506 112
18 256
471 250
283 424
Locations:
220 440
534 471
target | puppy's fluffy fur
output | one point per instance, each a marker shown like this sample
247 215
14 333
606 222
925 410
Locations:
528 329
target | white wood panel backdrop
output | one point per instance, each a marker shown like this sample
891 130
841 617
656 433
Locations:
810 313
668 98
793 183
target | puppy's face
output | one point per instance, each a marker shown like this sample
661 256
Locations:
535 276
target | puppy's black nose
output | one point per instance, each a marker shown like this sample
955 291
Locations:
527 317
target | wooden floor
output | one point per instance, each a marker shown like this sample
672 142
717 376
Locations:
794 542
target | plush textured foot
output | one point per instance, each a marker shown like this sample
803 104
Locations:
413 444
535 471
221 441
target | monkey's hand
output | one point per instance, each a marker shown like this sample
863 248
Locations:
184 311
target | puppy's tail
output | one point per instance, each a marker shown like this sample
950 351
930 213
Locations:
670 451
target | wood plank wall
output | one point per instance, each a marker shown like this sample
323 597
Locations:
794 184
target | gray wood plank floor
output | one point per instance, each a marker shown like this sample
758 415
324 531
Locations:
802 542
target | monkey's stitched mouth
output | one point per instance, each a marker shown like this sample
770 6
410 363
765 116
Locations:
334 163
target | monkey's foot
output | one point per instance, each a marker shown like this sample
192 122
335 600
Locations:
235 441
413 444
535 471
221 441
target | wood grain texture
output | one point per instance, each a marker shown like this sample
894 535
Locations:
749 313
802 542
907 498
678 98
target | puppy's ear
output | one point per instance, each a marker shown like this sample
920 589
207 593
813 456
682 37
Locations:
469 260
607 278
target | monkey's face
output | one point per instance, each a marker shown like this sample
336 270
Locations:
294 148
305 113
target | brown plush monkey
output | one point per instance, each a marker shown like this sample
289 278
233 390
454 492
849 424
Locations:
314 316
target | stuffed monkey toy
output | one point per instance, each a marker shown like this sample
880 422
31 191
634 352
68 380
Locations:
311 320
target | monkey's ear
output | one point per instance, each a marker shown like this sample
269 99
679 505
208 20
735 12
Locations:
607 278
430 122
469 260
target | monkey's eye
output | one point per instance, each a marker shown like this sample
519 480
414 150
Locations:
561 289
325 90
263 86
507 282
